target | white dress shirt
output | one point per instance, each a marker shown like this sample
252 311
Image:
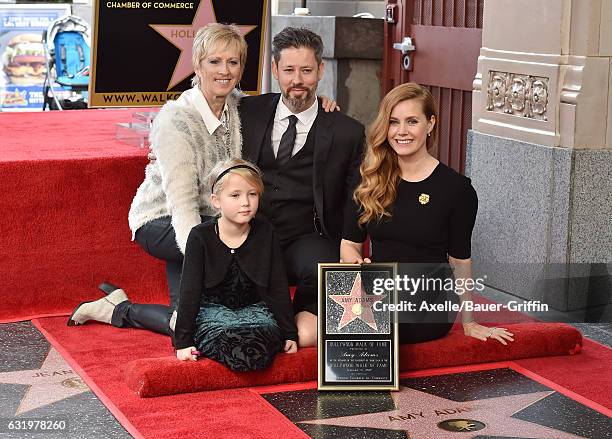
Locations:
196 98
305 120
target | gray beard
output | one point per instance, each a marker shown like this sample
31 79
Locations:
297 105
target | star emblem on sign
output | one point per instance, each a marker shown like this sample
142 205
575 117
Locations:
421 414
54 381
357 305
182 37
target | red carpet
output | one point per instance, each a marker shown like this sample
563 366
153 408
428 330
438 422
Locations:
165 376
100 353
97 353
589 374
66 189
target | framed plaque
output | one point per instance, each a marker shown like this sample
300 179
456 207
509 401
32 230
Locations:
358 334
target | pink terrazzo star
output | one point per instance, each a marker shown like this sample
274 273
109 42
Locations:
53 382
357 305
420 414
182 37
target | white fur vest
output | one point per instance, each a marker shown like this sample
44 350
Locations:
175 184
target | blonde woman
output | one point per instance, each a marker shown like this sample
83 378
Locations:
416 211
189 136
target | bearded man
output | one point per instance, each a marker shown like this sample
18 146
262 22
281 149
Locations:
310 162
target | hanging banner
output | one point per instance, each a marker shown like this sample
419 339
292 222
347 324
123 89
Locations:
142 49
22 54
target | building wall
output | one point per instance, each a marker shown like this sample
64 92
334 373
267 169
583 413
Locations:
540 154
339 8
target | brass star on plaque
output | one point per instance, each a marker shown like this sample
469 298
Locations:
357 305
424 198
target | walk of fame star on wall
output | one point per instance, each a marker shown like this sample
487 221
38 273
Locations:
53 382
182 37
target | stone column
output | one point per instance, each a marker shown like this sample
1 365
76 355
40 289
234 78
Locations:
83 9
352 55
540 153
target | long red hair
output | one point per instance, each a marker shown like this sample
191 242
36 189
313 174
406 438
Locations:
379 170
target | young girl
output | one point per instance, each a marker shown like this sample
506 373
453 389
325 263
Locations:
234 304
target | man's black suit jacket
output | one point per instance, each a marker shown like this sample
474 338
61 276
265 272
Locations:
338 149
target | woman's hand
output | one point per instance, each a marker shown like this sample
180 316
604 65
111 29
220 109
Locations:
291 347
151 156
350 252
473 329
355 260
187 354
329 105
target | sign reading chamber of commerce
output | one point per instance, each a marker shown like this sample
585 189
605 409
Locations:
142 49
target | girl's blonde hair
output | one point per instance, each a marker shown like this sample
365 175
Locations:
251 173
379 170
211 35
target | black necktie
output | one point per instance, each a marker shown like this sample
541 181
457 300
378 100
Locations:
285 148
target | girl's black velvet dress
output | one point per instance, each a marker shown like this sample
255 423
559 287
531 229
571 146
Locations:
431 220
234 305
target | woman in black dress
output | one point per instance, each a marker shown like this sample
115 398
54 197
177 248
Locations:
416 211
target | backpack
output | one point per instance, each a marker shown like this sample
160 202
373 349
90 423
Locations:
71 58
